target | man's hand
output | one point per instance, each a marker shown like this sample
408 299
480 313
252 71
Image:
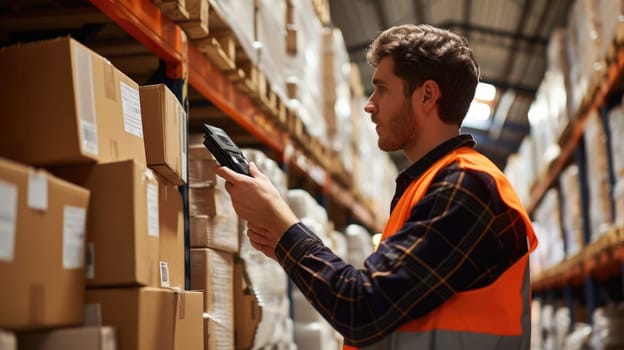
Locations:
257 201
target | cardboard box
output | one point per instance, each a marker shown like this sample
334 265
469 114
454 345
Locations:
64 104
201 162
42 240
165 128
171 245
8 341
217 232
123 223
247 311
143 317
189 321
212 272
78 338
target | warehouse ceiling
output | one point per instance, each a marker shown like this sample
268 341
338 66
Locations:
509 39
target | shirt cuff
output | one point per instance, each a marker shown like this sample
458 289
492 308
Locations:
294 244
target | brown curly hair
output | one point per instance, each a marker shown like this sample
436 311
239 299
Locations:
423 52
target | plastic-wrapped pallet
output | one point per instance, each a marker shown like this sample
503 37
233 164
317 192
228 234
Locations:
276 327
339 244
304 206
561 326
303 311
269 280
598 167
319 230
359 245
271 286
536 263
616 126
316 335
608 324
271 41
578 339
548 314
609 15
547 223
212 272
213 221
583 49
304 85
618 198
269 168
571 213
240 16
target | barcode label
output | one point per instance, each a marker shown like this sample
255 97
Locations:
164 274
131 105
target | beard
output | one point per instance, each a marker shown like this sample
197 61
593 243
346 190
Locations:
399 129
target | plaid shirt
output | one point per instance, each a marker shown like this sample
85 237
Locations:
460 236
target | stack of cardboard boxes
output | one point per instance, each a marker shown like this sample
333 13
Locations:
68 110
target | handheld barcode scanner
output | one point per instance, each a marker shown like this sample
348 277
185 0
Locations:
224 149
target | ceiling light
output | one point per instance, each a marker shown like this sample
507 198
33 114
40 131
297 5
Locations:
485 92
478 111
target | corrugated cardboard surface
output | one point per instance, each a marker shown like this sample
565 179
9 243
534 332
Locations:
63 104
171 217
201 162
8 341
189 321
122 247
212 272
37 291
213 220
78 338
143 317
247 311
163 124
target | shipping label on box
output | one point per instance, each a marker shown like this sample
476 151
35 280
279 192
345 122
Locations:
42 238
123 223
80 107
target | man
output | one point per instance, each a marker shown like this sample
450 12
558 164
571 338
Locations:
451 271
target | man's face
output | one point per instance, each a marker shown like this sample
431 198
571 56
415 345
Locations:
390 110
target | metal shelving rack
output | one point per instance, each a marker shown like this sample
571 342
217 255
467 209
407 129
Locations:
580 278
149 26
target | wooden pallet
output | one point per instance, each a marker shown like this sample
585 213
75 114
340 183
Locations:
196 25
175 10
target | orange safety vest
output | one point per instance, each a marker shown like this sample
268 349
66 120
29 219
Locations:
496 316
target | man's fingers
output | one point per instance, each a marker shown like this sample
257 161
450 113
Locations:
226 173
258 237
253 169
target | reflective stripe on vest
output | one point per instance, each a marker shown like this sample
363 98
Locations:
493 317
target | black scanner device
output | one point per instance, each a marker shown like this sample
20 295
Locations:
224 149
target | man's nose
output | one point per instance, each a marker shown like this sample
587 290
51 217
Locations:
370 107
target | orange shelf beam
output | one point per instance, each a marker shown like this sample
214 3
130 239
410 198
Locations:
149 26
209 81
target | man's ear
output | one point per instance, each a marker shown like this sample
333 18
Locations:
430 93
